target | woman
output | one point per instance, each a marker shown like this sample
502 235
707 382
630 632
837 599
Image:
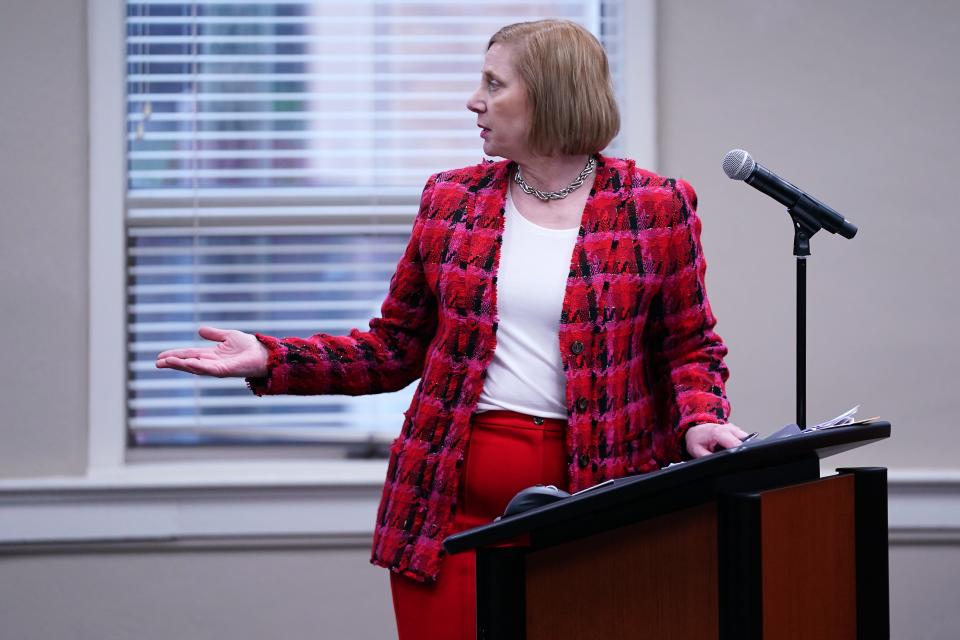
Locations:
553 307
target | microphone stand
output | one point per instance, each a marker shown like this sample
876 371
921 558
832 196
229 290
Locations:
805 225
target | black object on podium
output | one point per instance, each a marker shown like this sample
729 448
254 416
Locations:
743 544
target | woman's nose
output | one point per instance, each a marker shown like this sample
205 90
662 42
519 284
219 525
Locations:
475 104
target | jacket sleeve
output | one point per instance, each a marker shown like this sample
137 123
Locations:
387 357
691 351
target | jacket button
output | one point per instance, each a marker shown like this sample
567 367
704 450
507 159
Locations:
576 348
583 461
434 529
537 420
582 404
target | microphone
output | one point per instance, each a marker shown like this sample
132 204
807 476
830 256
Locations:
738 165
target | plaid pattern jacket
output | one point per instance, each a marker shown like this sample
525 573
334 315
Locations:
641 359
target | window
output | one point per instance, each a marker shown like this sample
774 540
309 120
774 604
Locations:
275 156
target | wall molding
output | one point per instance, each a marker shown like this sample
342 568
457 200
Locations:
186 519
240 543
169 504
924 507
305 509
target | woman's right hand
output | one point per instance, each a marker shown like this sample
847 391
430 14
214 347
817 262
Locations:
237 354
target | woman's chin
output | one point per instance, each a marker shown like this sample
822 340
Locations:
495 152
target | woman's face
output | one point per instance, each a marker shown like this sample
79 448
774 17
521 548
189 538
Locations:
501 105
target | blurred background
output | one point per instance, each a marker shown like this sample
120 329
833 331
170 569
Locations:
256 166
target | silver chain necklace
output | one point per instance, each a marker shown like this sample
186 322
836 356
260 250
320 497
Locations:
562 193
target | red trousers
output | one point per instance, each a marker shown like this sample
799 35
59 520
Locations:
507 452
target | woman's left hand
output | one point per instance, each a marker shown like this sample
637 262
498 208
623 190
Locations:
703 439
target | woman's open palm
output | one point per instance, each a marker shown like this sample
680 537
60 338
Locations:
237 354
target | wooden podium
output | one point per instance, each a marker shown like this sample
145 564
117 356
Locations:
744 544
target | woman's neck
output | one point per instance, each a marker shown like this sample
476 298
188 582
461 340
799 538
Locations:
551 173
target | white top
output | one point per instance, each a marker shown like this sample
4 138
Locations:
526 373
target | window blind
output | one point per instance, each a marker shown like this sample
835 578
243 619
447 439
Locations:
276 153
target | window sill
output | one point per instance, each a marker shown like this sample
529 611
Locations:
177 501
207 475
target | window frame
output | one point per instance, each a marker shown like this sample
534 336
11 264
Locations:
109 458
108 453
178 411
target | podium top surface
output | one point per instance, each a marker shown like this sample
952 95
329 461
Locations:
702 477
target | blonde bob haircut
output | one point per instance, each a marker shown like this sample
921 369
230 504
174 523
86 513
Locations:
567 77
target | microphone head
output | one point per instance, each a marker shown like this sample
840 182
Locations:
738 165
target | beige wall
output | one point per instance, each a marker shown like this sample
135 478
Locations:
255 594
853 100
43 242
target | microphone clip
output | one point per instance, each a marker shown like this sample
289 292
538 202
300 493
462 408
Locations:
806 222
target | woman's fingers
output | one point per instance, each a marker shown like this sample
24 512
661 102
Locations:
202 367
737 431
697 450
203 352
190 365
171 362
704 439
209 333
212 333
726 439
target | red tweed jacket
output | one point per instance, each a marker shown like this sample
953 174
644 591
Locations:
641 359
